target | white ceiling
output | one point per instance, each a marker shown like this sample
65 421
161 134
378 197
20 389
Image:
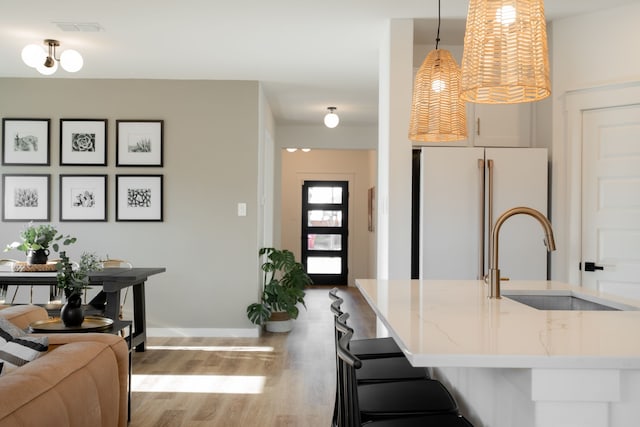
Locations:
308 54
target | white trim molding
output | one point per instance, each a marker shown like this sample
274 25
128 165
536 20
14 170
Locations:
204 332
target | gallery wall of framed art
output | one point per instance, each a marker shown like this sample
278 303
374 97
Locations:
81 197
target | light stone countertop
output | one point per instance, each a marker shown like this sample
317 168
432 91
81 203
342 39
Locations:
452 323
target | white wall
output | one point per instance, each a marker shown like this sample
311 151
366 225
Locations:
211 138
343 137
394 151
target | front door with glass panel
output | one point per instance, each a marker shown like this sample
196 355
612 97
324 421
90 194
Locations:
325 231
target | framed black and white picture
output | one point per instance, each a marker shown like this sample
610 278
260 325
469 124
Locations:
25 197
83 142
83 197
139 142
139 197
25 142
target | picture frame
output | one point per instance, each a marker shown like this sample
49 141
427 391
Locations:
139 198
25 142
83 198
83 142
26 197
139 143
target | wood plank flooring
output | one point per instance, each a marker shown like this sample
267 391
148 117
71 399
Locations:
275 380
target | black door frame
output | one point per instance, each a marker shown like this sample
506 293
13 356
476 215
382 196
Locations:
326 279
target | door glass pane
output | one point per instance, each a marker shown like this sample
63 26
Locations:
321 218
324 242
325 195
324 265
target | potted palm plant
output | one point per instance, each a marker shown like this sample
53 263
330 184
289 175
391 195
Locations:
284 281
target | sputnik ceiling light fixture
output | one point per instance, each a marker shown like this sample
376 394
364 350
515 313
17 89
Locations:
505 59
331 119
46 61
437 112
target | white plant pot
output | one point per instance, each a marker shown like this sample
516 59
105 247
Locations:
282 324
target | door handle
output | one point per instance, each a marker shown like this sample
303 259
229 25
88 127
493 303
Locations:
591 266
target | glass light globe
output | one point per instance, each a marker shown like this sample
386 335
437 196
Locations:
33 55
47 71
331 120
71 60
292 150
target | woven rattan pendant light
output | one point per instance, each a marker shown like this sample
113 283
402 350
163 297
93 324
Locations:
437 112
505 59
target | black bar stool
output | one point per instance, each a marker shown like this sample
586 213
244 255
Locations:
425 403
369 348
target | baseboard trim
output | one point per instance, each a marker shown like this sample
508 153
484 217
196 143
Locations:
204 332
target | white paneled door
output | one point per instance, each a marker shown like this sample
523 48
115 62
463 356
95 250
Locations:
611 200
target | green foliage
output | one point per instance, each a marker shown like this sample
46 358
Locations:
36 237
73 282
284 281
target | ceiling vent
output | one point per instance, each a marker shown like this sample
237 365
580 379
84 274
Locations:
87 27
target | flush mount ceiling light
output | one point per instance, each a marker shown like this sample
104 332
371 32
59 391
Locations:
505 59
46 62
437 112
331 120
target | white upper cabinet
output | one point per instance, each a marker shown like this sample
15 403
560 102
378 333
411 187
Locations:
500 125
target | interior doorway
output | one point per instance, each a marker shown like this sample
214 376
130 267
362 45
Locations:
325 231
611 200
600 198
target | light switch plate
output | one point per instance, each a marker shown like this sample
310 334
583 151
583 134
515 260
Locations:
242 209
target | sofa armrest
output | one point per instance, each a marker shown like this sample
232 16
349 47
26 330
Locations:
75 385
23 315
119 348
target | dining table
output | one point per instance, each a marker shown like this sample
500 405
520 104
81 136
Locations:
111 281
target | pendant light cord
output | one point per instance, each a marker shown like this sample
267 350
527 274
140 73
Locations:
438 34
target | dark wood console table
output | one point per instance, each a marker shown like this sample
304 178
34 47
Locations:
112 281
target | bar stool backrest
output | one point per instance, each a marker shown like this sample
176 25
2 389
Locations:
349 409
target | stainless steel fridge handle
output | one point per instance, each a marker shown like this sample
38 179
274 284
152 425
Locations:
481 275
490 208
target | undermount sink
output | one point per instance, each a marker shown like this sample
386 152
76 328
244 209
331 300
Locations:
564 301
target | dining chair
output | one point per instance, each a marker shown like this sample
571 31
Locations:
118 263
16 294
370 348
425 403
98 299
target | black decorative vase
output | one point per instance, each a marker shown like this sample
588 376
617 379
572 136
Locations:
38 256
72 313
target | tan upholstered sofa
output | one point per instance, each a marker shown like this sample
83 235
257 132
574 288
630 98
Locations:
81 381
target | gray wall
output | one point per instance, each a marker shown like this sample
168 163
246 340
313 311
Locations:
211 139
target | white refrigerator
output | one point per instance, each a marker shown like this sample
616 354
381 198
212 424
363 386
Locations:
463 191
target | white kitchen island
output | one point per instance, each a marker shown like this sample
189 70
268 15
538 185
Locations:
513 365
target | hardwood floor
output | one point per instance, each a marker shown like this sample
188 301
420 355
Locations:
275 380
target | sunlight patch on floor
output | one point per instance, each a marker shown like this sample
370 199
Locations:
233 348
219 384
